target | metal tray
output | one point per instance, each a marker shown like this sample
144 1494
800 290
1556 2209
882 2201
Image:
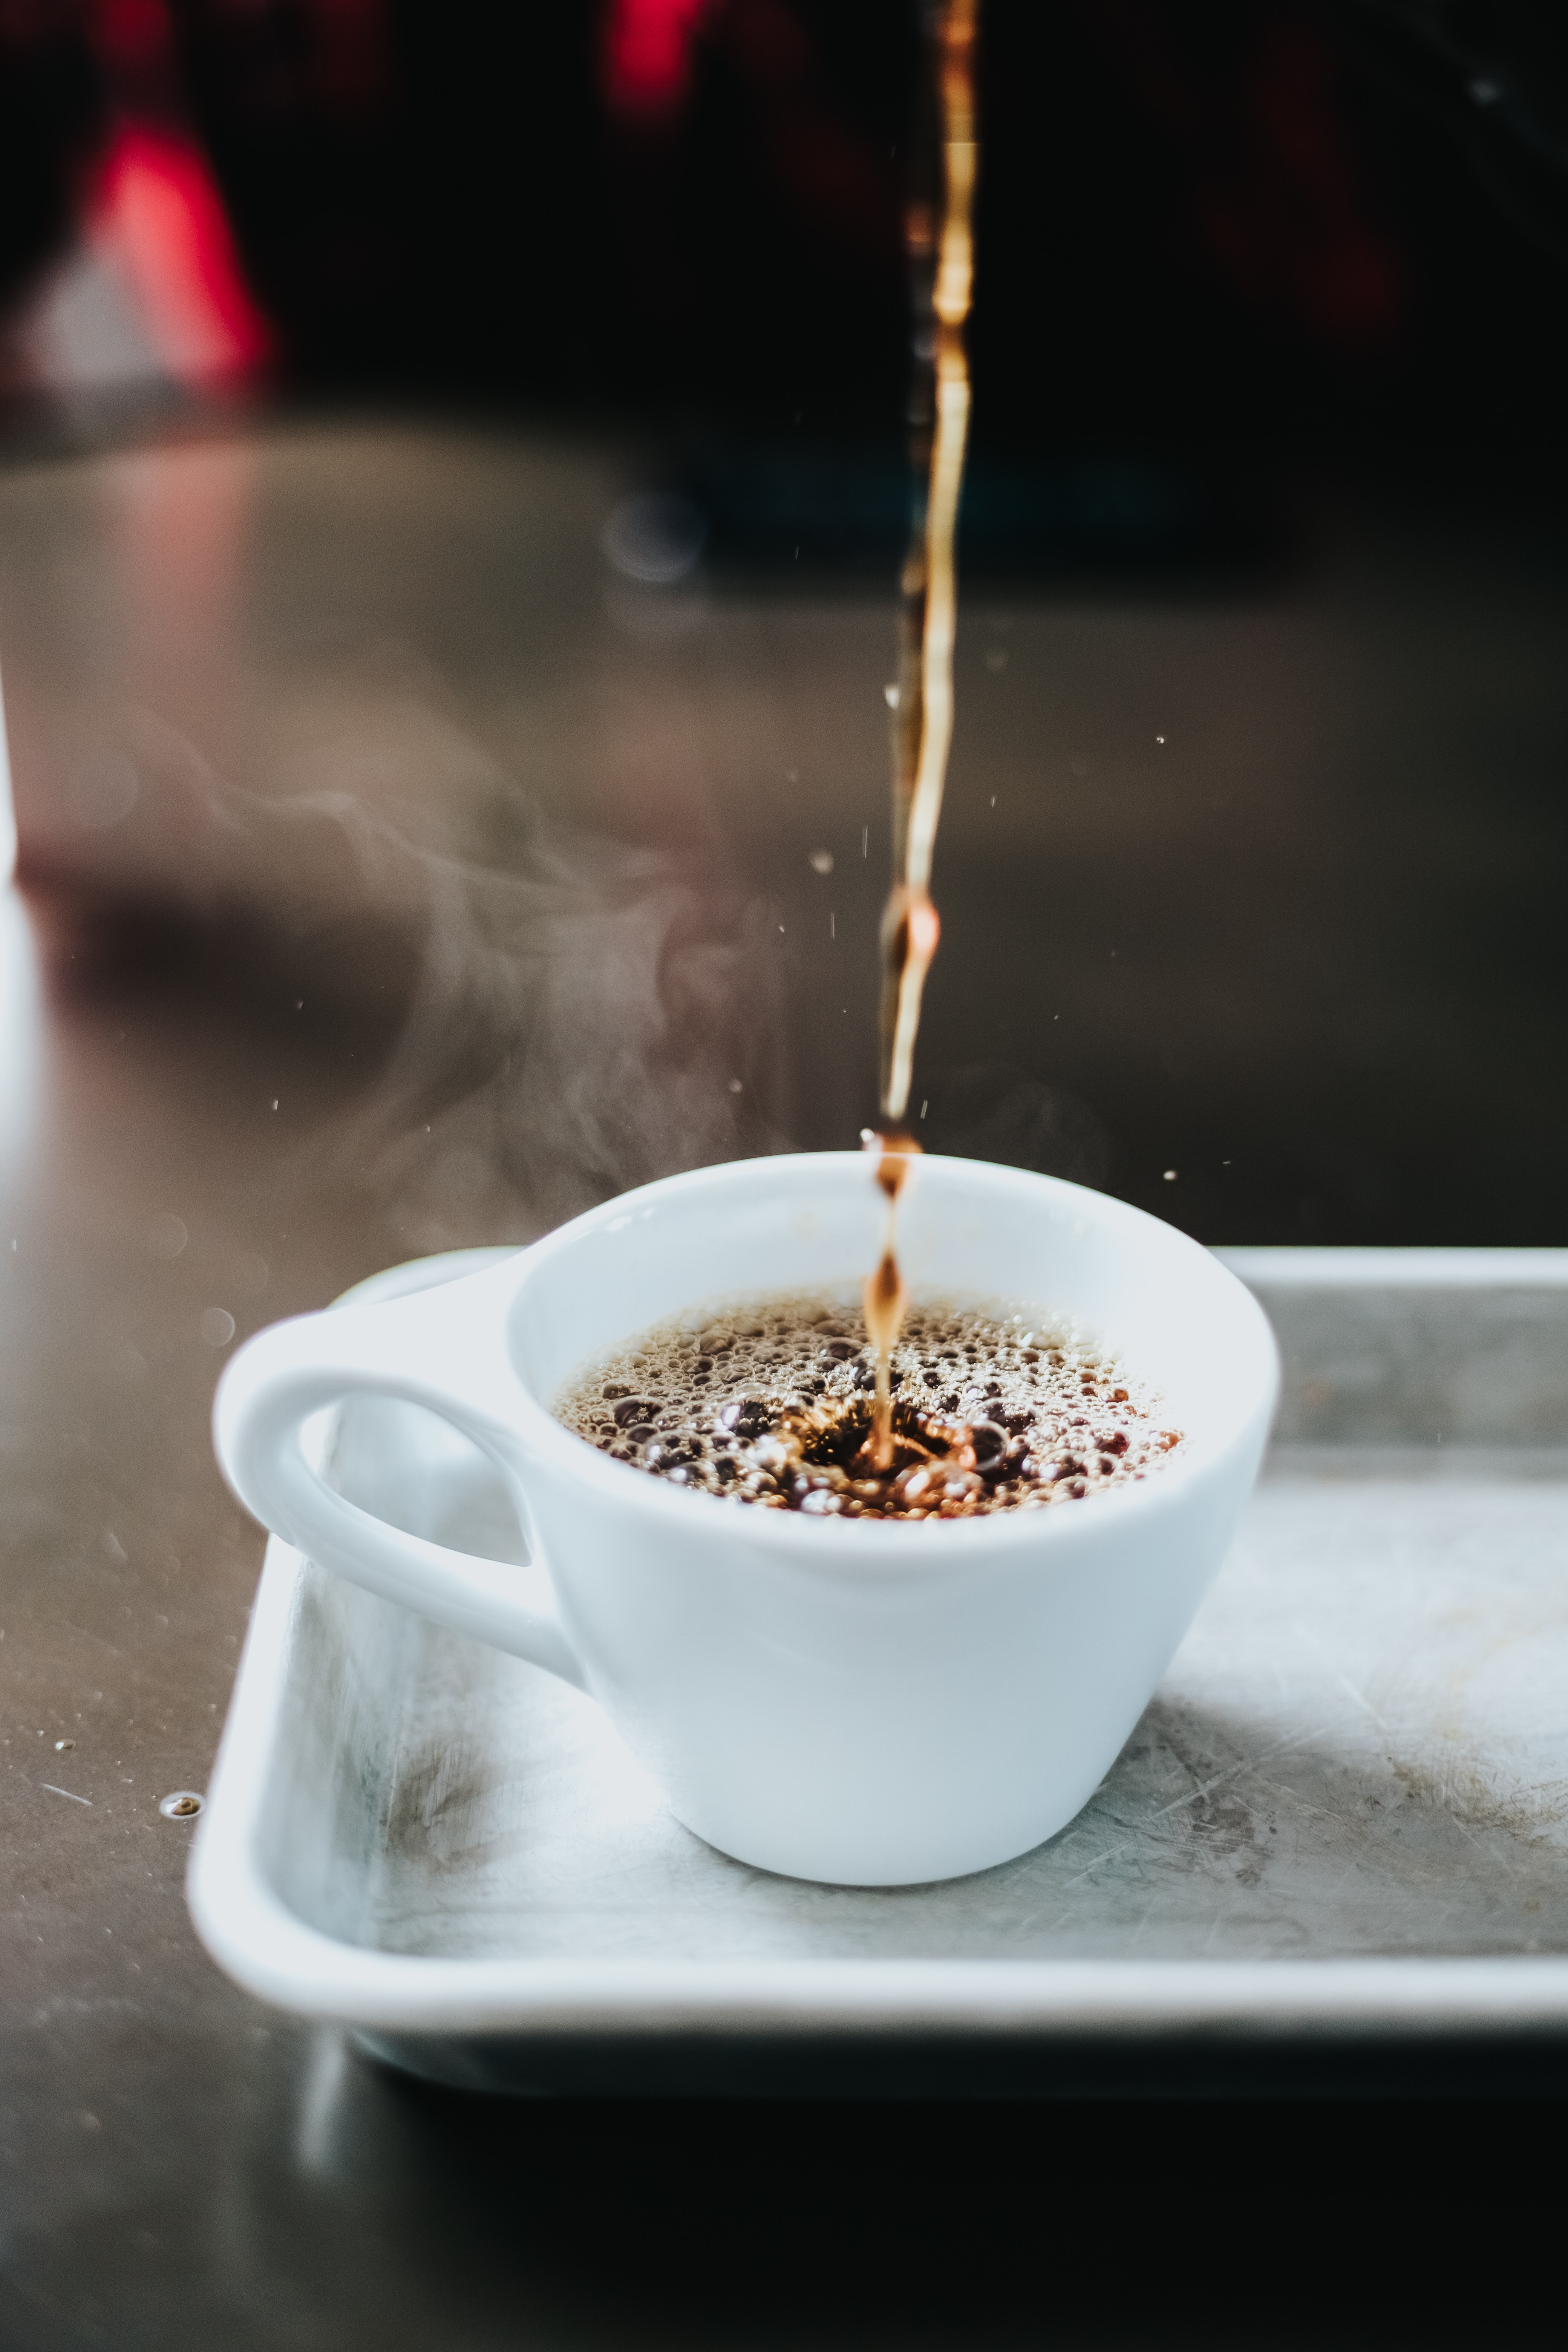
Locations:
1333 1854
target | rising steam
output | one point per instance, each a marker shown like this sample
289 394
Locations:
585 1014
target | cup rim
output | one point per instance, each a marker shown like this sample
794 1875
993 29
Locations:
860 1542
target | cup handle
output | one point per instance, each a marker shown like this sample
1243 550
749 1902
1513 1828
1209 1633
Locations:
414 1350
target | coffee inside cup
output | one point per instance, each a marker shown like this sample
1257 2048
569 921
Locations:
771 1403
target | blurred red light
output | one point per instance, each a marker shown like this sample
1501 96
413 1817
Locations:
647 55
158 216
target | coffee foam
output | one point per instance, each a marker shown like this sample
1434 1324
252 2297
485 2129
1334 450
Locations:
767 1400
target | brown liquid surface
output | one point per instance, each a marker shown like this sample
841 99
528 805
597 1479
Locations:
772 1403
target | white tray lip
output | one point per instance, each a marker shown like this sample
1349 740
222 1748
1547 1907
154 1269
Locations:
266 1948
1312 1268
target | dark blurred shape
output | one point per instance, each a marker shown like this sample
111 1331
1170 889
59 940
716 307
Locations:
1330 232
371 155
752 216
844 509
1237 226
1494 79
1249 103
51 109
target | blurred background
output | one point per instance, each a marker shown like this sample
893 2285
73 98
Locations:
451 487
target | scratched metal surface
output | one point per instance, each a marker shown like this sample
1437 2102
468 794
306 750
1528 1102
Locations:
1359 1749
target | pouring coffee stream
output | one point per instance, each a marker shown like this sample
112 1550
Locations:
822 1447
942 272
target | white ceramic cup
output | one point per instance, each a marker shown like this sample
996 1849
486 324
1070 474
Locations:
866 1703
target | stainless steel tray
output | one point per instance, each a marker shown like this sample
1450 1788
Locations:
1334 1851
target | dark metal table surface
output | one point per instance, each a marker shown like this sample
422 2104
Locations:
396 876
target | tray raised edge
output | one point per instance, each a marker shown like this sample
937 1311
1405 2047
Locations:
269 1949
